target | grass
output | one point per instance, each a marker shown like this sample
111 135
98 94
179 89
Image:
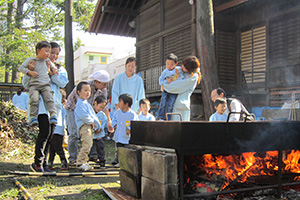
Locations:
52 187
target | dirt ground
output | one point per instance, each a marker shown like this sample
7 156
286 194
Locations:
55 187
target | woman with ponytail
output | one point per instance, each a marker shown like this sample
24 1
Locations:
184 87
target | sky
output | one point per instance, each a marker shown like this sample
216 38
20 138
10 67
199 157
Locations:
122 46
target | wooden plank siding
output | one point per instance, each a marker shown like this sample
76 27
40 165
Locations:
164 28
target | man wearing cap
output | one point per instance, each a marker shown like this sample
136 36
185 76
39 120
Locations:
98 82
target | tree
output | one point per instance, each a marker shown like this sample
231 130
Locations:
77 44
25 22
206 50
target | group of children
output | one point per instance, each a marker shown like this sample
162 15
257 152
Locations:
90 119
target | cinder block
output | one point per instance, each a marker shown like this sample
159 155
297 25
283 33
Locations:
130 159
130 184
152 190
160 166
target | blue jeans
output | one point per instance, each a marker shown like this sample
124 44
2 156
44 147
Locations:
73 135
166 105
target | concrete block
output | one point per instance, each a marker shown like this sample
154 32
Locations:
130 184
130 159
160 166
152 190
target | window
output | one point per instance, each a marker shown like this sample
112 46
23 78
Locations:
253 55
103 59
91 58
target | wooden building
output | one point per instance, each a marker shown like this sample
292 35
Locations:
257 42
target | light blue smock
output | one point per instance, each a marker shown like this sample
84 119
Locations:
147 117
184 88
133 86
85 114
102 120
123 122
20 101
216 117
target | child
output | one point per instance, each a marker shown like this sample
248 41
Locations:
220 106
99 103
167 99
144 108
39 81
56 144
86 121
122 118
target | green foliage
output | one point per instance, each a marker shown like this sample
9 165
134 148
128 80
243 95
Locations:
35 20
77 44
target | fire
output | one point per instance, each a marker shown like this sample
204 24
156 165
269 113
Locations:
238 168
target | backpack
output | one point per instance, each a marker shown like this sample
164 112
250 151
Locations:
244 112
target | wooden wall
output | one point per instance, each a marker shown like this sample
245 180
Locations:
165 26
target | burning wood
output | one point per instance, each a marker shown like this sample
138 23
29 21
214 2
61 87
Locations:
213 173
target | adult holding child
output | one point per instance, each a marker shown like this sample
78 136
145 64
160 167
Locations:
98 82
130 83
58 79
185 86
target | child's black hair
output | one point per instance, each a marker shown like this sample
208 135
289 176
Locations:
79 86
219 101
144 101
126 98
41 45
101 99
173 57
130 59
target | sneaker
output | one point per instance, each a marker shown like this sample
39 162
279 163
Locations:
46 169
102 164
53 119
35 168
114 162
117 165
93 159
33 121
85 167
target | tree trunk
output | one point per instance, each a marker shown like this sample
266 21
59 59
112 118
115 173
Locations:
69 45
9 29
206 53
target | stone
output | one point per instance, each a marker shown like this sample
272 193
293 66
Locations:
130 159
152 190
130 184
160 166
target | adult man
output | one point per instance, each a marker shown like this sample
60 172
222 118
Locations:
233 105
98 82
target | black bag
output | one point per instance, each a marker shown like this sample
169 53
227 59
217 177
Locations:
244 112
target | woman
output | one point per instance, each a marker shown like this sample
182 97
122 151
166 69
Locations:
185 87
130 83
59 79
20 99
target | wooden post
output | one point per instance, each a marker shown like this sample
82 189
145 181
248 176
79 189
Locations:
69 60
206 53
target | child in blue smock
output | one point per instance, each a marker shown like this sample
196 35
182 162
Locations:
144 108
168 99
87 122
122 121
220 106
100 103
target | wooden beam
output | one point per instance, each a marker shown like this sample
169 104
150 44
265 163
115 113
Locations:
229 4
109 9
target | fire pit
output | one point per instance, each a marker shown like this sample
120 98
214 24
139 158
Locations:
201 141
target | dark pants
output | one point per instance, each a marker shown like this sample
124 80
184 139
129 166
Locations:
56 147
166 105
118 144
43 140
99 143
